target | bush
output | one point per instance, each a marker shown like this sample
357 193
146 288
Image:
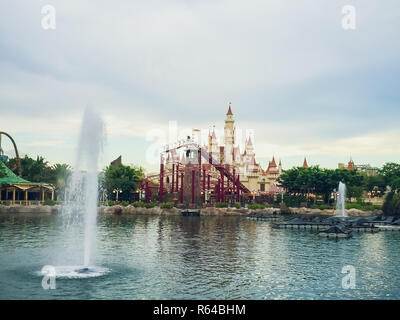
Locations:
221 205
50 202
391 207
124 203
110 203
150 205
237 205
166 205
291 200
138 204
254 206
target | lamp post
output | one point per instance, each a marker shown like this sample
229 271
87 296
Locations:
117 191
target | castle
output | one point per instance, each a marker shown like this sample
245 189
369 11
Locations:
252 175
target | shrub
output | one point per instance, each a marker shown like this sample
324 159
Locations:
363 207
166 205
50 202
150 205
138 204
291 200
237 205
221 205
124 203
110 203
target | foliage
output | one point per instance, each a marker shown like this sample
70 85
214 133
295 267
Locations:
254 206
372 182
39 170
110 203
362 207
124 203
123 177
391 206
49 202
237 205
150 205
221 205
391 173
138 204
291 200
318 181
166 205
354 191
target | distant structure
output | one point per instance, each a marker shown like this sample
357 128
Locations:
366 169
305 164
228 154
117 162
5 158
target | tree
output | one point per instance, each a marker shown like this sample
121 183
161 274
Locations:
58 175
32 170
391 173
319 181
391 206
122 177
370 183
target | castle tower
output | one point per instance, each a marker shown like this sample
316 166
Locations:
213 149
229 136
305 164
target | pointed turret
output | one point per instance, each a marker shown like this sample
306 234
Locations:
229 113
305 164
273 163
350 165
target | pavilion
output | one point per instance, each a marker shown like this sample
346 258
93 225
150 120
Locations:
15 190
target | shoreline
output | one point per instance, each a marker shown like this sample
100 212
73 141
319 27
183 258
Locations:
208 211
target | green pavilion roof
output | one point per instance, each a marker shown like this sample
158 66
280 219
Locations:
9 177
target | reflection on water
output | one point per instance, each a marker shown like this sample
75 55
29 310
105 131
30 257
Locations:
156 257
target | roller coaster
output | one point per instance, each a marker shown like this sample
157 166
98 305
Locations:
220 185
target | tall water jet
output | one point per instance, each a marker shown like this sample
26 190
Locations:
341 200
82 191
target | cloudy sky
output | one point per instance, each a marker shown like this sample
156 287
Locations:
306 86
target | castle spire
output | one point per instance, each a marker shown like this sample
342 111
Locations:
229 110
305 164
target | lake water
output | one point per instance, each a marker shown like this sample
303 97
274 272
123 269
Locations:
155 257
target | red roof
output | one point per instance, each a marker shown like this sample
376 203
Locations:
305 164
229 111
273 163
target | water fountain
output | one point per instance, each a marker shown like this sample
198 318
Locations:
79 212
341 201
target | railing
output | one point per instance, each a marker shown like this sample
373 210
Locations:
21 203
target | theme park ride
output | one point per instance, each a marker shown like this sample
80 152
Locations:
192 181
15 149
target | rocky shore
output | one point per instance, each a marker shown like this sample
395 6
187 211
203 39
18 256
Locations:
208 211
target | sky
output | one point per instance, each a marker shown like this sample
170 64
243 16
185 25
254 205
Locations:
301 83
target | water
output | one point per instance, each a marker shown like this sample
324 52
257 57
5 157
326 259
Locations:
341 201
155 257
81 196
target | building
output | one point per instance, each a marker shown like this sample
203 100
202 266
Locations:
252 175
366 169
